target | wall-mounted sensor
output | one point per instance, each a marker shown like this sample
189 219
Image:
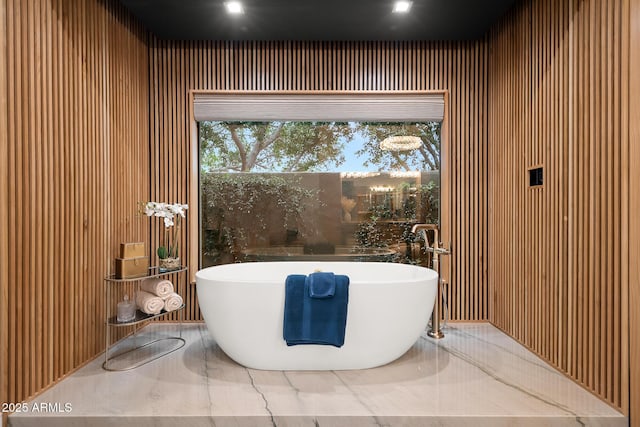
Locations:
535 177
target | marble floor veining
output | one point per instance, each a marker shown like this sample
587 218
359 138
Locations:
475 376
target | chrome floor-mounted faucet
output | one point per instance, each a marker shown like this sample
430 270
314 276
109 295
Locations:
437 250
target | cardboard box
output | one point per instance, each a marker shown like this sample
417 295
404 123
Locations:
127 268
132 250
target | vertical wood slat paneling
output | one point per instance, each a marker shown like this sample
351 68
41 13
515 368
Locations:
630 159
4 214
557 255
460 67
92 161
74 137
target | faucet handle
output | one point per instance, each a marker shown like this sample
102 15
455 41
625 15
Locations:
444 250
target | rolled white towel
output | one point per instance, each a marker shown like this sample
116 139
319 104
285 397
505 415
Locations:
157 286
149 303
172 302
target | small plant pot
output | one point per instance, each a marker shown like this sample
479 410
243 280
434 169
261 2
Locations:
167 264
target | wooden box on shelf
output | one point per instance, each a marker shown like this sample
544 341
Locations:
132 250
132 267
132 261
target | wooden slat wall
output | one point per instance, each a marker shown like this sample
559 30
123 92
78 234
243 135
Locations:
4 211
550 83
558 76
78 163
460 67
633 208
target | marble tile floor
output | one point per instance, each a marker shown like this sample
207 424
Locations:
475 376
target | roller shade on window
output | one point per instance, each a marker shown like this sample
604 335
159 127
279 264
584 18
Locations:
305 107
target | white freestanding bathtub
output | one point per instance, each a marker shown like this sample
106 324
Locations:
243 307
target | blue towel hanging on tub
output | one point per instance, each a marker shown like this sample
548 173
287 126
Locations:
315 320
321 285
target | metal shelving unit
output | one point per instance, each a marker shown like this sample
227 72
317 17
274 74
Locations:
140 318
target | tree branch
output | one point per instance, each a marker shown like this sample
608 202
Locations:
428 160
433 148
272 138
401 162
296 162
259 146
236 139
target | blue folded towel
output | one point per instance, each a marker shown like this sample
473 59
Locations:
310 320
293 307
321 285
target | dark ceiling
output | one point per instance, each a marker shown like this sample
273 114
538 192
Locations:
318 19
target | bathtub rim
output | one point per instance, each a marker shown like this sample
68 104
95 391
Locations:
425 272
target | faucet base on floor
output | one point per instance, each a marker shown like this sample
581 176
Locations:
434 327
435 334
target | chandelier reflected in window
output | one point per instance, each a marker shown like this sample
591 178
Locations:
401 143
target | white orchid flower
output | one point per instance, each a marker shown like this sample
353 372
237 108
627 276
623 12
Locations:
166 211
174 209
179 209
149 208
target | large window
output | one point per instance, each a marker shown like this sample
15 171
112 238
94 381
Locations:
301 190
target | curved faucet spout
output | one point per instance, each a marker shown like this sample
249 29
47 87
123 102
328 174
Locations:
418 227
422 228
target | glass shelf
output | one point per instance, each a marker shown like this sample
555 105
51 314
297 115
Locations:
141 317
153 272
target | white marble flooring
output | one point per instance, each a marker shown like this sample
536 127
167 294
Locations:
475 376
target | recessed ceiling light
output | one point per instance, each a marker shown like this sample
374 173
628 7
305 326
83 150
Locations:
401 6
234 7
